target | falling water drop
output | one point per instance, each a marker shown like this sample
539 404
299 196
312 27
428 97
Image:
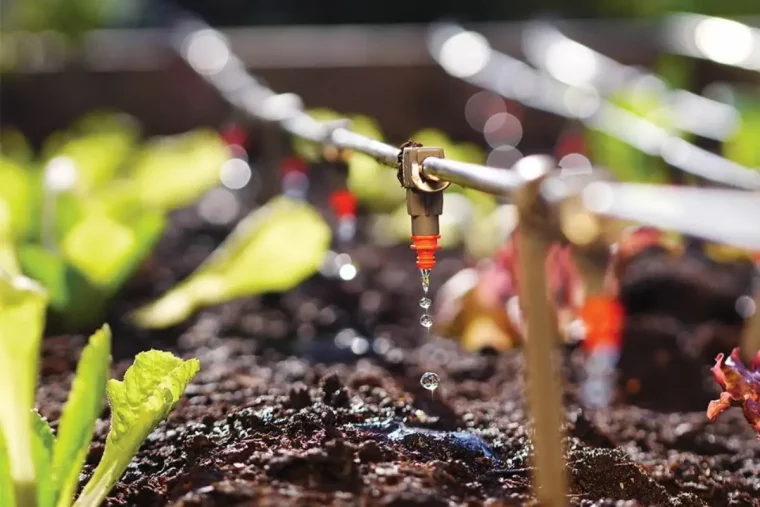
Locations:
426 320
430 381
425 275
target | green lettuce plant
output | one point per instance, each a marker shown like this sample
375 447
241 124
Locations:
40 469
272 250
82 219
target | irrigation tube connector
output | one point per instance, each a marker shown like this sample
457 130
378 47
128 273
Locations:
550 208
468 56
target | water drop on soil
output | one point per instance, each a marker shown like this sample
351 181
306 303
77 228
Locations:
430 380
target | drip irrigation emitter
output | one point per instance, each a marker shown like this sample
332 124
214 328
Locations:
601 313
343 204
342 201
424 203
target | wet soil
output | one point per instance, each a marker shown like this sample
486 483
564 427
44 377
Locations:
313 397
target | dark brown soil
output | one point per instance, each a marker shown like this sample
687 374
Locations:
313 397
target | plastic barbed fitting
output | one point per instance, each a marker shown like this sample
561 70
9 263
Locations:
424 202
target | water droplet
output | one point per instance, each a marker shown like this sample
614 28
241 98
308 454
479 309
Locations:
427 321
425 303
430 380
425 276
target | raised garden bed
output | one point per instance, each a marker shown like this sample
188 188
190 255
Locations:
289 408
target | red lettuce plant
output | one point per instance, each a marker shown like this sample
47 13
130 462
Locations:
741 387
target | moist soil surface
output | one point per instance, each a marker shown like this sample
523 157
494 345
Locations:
314 397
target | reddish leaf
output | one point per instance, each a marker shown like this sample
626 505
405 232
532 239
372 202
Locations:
741 387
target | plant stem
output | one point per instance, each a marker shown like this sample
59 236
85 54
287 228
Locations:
99 485
26 493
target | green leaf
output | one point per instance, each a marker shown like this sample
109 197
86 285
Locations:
15 197
6 481
49 269
272 250
175 171
77 424
373 184
107 251
151 388
98 246
8 259
42 446
97 156
22 319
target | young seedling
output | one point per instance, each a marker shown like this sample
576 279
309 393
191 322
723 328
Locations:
85 222
38 469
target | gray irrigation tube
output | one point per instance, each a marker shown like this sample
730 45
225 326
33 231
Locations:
507 76
213 59
248 94
689 112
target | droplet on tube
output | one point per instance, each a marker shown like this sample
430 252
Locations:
425 303
430 380
427 321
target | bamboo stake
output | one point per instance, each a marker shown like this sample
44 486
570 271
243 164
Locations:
544 387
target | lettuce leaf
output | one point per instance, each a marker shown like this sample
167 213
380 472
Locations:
77 423
151 388
173 172
16 197
8 257
42 452
272 250
22 319
6 481
741 387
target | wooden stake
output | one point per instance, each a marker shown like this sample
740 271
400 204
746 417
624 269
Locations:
544 386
